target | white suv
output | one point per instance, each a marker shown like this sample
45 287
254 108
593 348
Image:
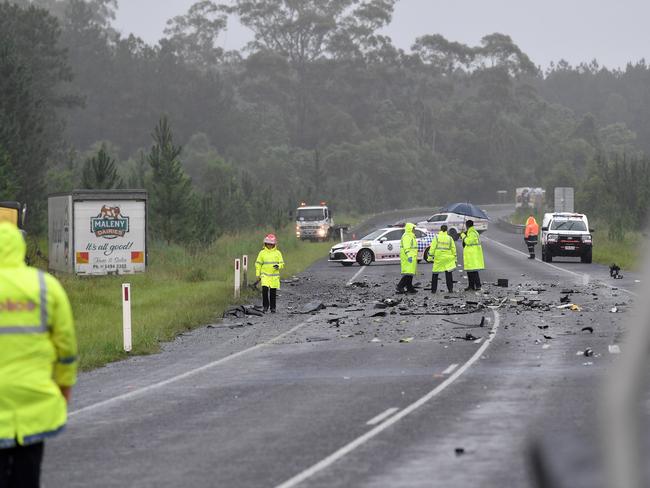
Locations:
566 234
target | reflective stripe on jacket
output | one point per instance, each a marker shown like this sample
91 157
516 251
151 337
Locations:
443 253
409 249
38 348
473 251
265 269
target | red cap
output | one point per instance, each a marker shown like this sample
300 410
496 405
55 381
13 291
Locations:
271 239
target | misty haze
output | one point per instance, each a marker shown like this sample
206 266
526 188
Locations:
323 243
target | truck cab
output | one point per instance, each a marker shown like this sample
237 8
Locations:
566 234
314 223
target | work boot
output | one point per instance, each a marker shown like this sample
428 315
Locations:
412 291
469 288
265 310
399 291
272 310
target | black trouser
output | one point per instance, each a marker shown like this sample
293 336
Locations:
531 243
448 276
405 283
265 297
20 466
474 280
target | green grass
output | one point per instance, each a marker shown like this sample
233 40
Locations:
626 253
181 290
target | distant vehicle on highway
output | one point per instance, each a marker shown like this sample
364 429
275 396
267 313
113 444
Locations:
454 221
566 234
382 245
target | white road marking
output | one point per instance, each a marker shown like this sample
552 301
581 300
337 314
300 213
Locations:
614 349
450 369
584 277
359 441
356 275
187 374
383 415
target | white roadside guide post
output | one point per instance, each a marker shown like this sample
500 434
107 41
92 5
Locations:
245 270
237 278
126 316
341 234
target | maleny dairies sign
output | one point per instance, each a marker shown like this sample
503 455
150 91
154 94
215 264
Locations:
109 237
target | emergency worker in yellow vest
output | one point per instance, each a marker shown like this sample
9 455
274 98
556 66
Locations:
267 269
408 253
472 256
443 254
38 361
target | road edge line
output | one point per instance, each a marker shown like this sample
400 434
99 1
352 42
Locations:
551 265
359 441
187 374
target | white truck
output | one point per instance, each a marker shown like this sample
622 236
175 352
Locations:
98 232
316 223
566 234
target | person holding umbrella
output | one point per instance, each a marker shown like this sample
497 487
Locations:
473 260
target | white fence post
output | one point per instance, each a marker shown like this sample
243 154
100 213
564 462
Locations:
245 270
237 278
341 234
126 316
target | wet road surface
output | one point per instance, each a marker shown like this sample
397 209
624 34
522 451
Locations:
309 400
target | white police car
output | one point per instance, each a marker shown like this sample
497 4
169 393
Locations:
382 245
454 222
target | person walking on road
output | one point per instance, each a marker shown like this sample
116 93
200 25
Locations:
473 260
443 254
267 269
38 361
531 235
408 253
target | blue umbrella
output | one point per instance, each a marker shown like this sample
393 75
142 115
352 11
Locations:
467 209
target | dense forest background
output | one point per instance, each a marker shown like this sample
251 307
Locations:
320 105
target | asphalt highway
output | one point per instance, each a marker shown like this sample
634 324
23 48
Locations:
340 398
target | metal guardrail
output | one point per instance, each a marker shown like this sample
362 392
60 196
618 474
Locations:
506 226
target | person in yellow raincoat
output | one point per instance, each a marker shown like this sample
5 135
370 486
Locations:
443 254
473 260
408 253
38 361
267 269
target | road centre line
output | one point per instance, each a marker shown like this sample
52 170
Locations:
187 374
359 441
382 416
450 369
356 275
582 276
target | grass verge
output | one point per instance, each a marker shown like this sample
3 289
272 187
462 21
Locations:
181 290
626 252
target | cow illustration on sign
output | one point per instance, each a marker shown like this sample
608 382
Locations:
110 223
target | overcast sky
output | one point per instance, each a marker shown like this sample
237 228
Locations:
611 31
